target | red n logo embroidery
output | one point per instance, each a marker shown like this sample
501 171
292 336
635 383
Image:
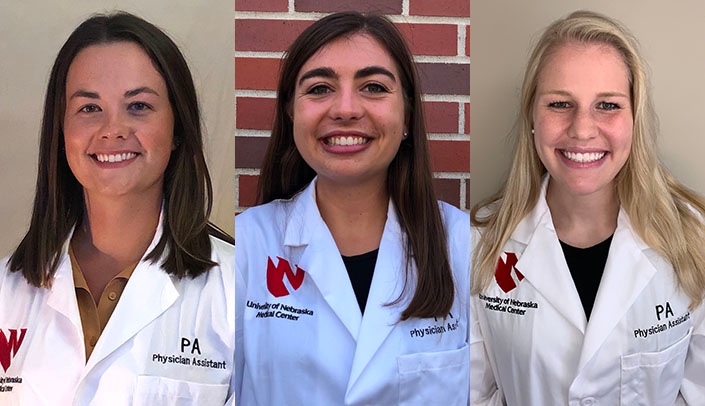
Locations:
503 274
276 274
9 348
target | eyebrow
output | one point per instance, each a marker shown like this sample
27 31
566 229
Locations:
143 89
603 94
129 93
330 73
84 93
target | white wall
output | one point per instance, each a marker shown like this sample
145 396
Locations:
672 38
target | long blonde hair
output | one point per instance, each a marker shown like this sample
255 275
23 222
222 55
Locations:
664 213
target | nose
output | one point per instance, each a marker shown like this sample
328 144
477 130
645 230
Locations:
583 125
346 105
114 127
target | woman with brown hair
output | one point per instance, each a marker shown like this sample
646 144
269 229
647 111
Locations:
121 292
352 280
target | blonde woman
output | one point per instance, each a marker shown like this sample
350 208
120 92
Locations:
588 268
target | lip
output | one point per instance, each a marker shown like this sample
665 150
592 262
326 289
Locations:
113 159
345 142
582 157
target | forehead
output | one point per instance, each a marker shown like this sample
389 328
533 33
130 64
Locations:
113 63
351 52
590 64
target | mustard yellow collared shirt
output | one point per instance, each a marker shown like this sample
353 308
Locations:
94 318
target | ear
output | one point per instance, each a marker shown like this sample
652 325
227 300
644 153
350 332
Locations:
175 142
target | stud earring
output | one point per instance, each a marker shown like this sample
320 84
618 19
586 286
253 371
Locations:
405 134
532 131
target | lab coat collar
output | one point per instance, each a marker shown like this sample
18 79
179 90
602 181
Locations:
627 272
543 264
62 295
321 259
148 293
387 285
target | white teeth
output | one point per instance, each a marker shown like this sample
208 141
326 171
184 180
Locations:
586 157
115 157
345 141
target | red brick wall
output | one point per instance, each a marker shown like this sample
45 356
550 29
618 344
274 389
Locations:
438 33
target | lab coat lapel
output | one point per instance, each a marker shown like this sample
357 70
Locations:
149 292
387 285
62 295
626 274
543 263
320 259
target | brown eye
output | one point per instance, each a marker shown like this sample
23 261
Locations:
319 90
89 108
375 88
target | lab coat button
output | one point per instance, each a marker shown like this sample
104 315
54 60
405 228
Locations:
589 401
112 296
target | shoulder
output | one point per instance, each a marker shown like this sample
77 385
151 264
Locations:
454 219
263 216
222 252
13 285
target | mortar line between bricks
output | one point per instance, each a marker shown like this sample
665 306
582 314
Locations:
405 7
464 193
262 94
237 190
461 41
245 132
247 171
447 137
461 118
451 175
455 98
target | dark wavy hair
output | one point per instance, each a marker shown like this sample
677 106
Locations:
188 193
409 179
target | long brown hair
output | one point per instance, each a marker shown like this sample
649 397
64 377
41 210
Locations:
409 179
188 194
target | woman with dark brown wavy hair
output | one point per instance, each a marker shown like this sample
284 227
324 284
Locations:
121 292
352 280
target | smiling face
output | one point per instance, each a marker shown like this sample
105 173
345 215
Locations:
582 116
348 111
118 124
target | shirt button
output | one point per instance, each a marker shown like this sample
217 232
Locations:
588 401
93 341
112 296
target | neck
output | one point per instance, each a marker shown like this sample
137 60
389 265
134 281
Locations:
583 221
115 234
354 214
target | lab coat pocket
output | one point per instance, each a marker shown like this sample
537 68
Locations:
654 378
157 390
434 377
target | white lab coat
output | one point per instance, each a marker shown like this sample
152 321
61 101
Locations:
325 352
550 354
157 315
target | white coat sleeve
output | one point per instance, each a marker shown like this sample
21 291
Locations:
693 387
240 286
483 386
